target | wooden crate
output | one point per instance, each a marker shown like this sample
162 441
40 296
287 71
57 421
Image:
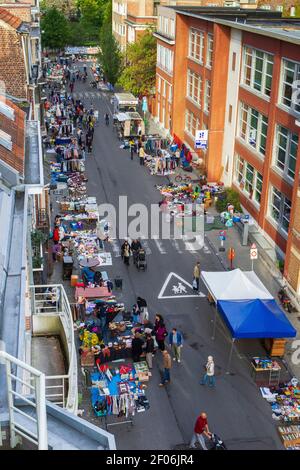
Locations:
275 347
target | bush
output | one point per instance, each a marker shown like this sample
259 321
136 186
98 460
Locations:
230 196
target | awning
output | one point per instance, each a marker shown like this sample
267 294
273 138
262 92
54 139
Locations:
235 285
255 319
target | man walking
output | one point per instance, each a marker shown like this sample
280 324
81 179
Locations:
201 431
167 367
197 273
175 341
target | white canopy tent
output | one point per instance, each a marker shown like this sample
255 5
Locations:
235 285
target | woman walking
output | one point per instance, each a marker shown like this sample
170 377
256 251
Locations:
160 331
126 252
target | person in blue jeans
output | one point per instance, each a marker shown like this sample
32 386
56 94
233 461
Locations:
102 317
167 366
175 341
209 376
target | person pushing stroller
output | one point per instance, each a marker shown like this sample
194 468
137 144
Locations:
135 248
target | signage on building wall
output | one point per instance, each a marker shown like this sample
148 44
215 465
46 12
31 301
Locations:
201 138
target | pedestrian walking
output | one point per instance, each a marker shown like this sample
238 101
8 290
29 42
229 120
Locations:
125 250
132 147
197 274
160 331
167 363
209 376
175 341
55 251
142 155
149 349
201 431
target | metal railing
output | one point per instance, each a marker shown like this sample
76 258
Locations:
36 385
51 300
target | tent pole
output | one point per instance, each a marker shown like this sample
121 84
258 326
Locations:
230 356
215 323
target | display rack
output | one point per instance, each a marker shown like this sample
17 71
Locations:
290 436
268 376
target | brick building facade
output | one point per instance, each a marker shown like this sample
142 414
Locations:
12 64
232 74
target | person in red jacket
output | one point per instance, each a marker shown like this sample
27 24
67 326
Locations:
201 430
56 235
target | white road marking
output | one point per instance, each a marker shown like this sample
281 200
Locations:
116 248
146 247
179 289
160 247
176 246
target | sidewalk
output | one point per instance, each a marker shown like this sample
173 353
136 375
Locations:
264 268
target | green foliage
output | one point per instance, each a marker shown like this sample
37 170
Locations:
38 237
139 75
91 11
110 56
55 29
230 197
37 262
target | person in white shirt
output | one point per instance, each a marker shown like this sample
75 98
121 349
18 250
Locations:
209 376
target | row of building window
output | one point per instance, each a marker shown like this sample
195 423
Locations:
162 86
119 8
165 58
166 26
250 181
257 70
194 89
196 47
257 73
119 28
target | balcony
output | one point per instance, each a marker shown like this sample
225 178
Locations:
52 317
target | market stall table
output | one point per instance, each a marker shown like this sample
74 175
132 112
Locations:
92 292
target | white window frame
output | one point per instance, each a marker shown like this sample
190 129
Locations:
240 178
207 95
293 107
172 27
283 202
193 43
209 51
253 137
170 95
291 139
192 123
194 82
267 58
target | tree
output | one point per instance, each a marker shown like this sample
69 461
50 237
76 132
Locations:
110 56
139 75
55 29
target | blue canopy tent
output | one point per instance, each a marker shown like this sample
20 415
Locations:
254 318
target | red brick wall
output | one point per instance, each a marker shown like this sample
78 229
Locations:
16 129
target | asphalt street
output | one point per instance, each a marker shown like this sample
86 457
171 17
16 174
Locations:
235 409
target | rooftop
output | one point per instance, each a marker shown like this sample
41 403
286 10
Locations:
12 123
9 18
33 156
259 21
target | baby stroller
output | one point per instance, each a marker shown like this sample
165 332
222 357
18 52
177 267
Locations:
217 443
141 262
